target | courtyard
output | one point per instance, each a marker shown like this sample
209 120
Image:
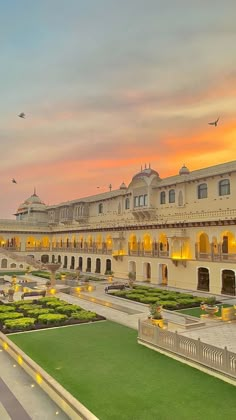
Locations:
103 366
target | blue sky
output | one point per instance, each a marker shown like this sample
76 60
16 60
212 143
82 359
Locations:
109 85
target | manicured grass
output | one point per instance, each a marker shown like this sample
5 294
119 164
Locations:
197 312
117 379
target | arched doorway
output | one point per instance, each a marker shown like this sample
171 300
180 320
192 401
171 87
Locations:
53 258
80 265
65 262
72 263
228 282
59 258
203 279
163 274
44 259
147 271
4 263
98 266
132 268
89 264
204 245
108 266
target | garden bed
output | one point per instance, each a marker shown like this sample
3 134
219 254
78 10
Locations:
166 298
42 313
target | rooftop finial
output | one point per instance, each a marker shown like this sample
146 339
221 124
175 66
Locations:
149 165
34 191
145 166
141 168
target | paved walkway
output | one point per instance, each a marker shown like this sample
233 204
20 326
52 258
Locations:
17 389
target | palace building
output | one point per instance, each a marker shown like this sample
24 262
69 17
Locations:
178 231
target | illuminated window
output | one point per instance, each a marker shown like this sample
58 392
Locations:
224 187
202 191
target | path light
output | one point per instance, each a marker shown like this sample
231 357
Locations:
38 378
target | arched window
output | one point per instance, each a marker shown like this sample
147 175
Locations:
172 196
127 204
202 191
100 208
163 197
224 187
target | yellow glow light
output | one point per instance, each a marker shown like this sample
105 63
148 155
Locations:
19 360
52 291
14 365
38 378
5 345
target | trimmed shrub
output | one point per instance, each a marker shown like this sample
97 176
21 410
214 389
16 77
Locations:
149 299
52 318
47 299
55 303
68 309
19 324
10 315
134 296
120 293
7 308
169 304
21 302
83 315
36 312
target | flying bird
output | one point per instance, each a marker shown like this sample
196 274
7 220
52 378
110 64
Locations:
21 115
214 122
14 181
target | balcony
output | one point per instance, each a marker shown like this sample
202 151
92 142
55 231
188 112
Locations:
143 213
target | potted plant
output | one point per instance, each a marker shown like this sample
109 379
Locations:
156 316
210 306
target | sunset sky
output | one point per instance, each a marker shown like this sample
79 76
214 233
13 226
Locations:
109 85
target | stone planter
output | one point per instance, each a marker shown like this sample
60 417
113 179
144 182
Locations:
211 310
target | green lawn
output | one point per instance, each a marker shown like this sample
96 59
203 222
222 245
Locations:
117 379
197 312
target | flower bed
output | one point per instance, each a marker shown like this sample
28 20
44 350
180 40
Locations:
42 313
166 298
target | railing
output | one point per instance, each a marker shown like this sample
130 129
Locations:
83 250
216 358
151 253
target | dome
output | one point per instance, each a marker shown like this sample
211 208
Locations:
34 203
147 172
184 170
123 186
